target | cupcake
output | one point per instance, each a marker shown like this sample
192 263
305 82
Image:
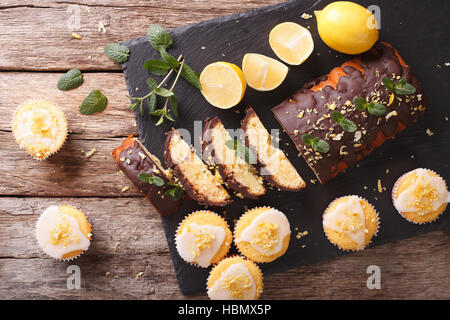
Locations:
203 238
420 196
350 222
262 234
235 278
40 128
63 232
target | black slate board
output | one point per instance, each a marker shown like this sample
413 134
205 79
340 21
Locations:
417 29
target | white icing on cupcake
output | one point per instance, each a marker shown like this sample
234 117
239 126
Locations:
425 195
235 283
348 218
266 232
199 243
59 233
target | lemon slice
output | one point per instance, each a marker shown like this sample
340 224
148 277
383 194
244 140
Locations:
291 42
223 84
263 73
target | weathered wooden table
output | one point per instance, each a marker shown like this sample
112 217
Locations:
129 258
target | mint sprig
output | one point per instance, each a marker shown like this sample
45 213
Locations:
94 102
241 151
373 108
346 124
117 52
70 80
161 40
316 143
175 192
151 179
401 87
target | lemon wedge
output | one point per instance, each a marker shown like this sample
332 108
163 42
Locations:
291 42
263 73
223 84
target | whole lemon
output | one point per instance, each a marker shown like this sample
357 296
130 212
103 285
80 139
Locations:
347 27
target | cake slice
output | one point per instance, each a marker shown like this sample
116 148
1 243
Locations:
198 182
275 167
239 175
309 110
133 158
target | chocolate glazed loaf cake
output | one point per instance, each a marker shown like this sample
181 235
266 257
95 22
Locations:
309 110
132 158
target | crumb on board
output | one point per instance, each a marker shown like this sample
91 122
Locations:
380 187
77 36
139 275
429 132
126 188
90 153
306 16
301 234
116 245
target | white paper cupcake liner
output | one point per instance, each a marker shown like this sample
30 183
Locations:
374 235
178 229
234 235
46 254
395 190
16 138
244 258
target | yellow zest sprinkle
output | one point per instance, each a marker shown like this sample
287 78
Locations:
203 240
429 132
91 153
126 188
380 187
116 245
354 223
139 275
61 233
266 236
391 114
424 194
391 99
237 285
76 36
300 115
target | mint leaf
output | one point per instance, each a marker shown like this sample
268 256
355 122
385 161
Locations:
158 37
175 192
117 52
360 103
173 101
307 139
151 179
337 117
157 113
405 89
191 76
94 102
163 92
388 83
151 103
168 58
376 109
160 121
320 145
157 67
70 80
348 125
152 84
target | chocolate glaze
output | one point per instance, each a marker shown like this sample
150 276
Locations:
130 160
381 61
208 151
188 186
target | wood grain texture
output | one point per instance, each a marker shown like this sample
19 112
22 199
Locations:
37 35
412 268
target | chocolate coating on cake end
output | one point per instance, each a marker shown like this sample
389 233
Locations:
309 111
134 159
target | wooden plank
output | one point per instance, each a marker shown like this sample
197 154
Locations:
79 176
409 268
37 34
